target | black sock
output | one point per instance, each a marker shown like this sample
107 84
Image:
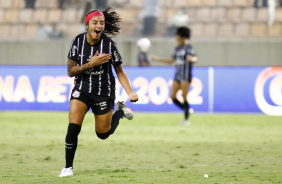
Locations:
115 120
71 143
176 102
186 106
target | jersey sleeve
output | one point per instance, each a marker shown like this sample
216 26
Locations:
174 53
191 51
116 57
73 52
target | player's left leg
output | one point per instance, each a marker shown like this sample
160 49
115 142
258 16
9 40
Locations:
106 124
185 88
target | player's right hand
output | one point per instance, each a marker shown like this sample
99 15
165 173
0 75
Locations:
133 97
153 58
99 59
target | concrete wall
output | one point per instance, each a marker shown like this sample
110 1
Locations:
210 53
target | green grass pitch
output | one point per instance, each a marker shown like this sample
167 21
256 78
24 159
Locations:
152 148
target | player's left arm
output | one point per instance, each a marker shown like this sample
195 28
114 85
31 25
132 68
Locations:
192 59
191 55
122 77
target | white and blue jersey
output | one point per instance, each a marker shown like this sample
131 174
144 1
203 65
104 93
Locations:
183 66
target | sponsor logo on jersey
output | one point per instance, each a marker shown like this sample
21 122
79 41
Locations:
91 72
90 57
116 56
73 50
76 94
181 52
103 105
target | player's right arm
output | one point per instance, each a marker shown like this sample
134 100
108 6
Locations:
169 61
74 69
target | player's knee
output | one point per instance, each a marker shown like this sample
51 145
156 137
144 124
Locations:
73 131
103 136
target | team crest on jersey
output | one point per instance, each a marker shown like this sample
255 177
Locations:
181 52
90 57
76 94
116 56
73 50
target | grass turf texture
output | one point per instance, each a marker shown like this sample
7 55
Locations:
152 148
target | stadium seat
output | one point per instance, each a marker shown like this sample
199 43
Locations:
70 15
165 3
242 29
16 31
197 29
1 15
46 4
162 16
234 14
169 12
191 12
52 3
136 4
5 31
40 15
19 3
73 30
275 30
262 15
30 31
11 15
226 29
181 3
278 15
40 4
209 2
243 3
26 15
220 14
128 14
204 14
226 3
6 3
249 14
210 30
54 16
258 29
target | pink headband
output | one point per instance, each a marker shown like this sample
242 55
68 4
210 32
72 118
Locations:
93 14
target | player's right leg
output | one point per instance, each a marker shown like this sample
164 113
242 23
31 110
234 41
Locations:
185 88
174 89
77 111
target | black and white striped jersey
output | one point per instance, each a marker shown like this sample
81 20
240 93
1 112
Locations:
183 67
98 80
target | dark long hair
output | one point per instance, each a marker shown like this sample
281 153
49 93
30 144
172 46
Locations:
112 22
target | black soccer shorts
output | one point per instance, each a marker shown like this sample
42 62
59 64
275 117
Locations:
98 105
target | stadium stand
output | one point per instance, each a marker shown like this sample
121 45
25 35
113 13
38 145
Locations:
207 18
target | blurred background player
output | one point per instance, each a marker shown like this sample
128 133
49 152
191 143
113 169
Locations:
91 57
143 59
184 57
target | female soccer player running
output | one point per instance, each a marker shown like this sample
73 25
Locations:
184 56
91 57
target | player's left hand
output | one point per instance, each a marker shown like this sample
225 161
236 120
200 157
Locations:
133 97
192 59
